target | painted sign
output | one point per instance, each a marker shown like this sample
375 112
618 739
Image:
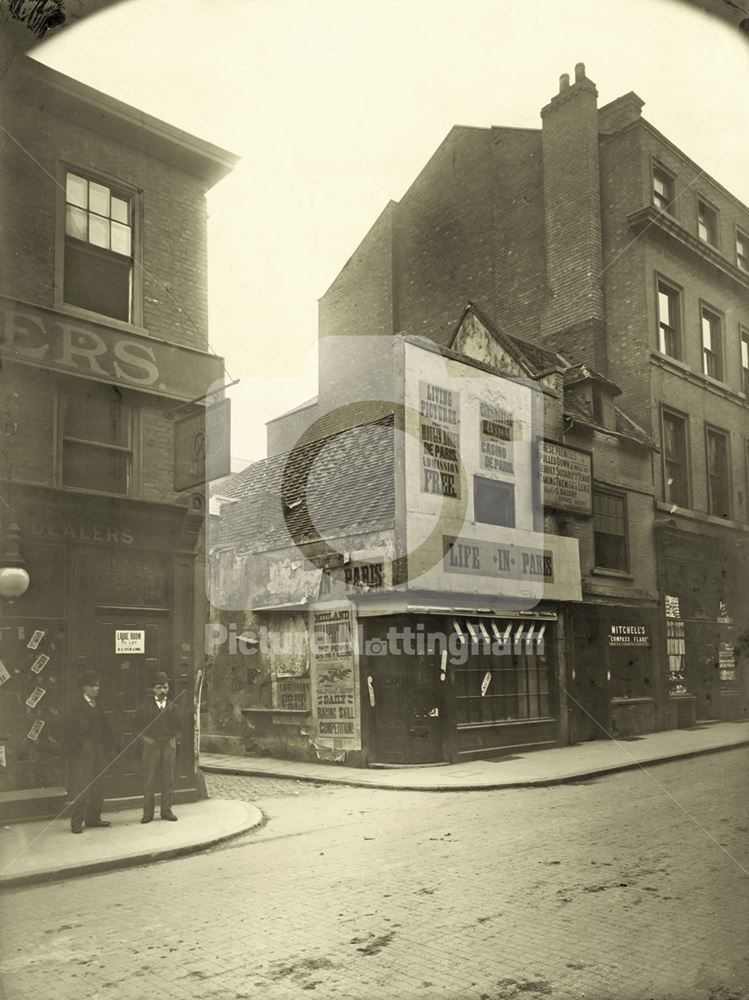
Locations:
673 609
57 342
485 683
4 673
352 577
439 434
79 531
628 635
202 446
336 702
478 557
293 693
566 477
129 641
496 434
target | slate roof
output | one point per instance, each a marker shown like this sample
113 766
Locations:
347 480
583 372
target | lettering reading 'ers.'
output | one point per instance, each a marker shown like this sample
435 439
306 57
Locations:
81 350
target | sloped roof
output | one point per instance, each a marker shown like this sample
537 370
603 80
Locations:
342 482
585 373
536 360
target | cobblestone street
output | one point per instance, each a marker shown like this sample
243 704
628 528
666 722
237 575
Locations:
632 886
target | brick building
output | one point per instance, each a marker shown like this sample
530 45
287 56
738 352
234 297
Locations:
596 237
103 326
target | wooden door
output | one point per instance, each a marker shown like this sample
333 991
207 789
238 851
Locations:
406 719
126 678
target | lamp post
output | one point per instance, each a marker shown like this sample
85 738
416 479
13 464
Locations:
14 577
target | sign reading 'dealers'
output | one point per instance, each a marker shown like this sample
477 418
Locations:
566 477
439 433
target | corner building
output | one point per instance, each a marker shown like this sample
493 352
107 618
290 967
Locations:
103 326
596 237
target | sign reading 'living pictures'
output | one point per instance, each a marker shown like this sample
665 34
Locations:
439 434
566 477
496 438
335 689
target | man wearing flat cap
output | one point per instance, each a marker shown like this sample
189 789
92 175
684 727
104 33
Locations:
158 724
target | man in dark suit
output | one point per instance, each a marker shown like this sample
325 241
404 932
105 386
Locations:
158 723
89 743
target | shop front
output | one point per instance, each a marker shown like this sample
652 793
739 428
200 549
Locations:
454 686
616 686
112 587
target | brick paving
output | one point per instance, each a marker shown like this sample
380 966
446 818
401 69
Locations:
632 886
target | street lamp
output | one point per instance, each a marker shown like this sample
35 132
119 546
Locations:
14 577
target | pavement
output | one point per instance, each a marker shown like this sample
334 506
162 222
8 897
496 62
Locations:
45 850
539 768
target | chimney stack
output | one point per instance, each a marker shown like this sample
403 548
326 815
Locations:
573 321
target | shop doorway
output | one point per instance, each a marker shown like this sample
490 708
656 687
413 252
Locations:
406 720
130 648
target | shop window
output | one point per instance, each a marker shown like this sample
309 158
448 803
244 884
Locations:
675 465
742 250
494 502
712 344
669 320
663 190
610 530
707 223
506 673
98 272
96 440
718 474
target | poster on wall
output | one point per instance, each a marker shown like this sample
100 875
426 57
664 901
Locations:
566 477
496 435
293 693
335 689
129 641
439 434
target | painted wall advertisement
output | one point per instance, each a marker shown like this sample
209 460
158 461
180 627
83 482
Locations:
496 438
335 687
439 433
566 476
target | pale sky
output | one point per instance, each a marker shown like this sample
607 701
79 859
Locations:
334 107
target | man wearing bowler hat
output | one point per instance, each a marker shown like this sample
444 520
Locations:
158 723
89 744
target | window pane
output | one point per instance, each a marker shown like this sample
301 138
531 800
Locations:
121 239
76 222
97 416
98 198
98 233
664 307
76 190
120 211
92 468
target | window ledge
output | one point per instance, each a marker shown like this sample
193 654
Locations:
695 515
619 574
640 700
680 367
100 318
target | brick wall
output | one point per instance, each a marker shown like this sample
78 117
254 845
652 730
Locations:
174 219
573 219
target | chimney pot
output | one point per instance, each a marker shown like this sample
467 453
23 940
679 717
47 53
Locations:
564 82
579 72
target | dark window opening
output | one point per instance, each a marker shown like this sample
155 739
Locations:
610 530
663 191
676 481
669 337
707 223
96 444
712 345
719 484
494 502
